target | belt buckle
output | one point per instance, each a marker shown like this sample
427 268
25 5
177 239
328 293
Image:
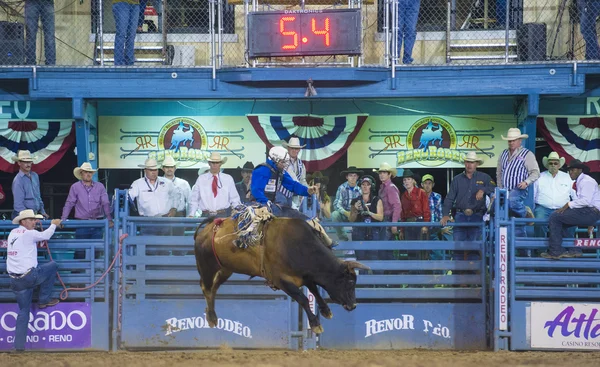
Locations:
468 212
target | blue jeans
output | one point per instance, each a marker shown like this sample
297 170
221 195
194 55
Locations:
34 10
337 216
541 212
87 234
516 202
126 19
44 276
570 217
408 15
468 234
501 13
283 211
142 16
588 29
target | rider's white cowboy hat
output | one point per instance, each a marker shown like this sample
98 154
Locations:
293 143
553 156
150 163
26 214
514 134
86 166
168 162
385 167
472 157
23 156
215 157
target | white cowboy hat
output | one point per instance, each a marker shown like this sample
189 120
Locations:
472 157
86 166
293 143
385 167
514 134
150 163
553 156
169 162
23 156
215 157
26 214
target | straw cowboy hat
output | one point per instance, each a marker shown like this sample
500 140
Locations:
23 156
215 157
248 167
26 214
293 143
576 163
317 174
514 134
86 166
553 156
150 163
385 167
472 157
168 162
351 169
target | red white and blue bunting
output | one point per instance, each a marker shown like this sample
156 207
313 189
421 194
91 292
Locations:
326 137
46 140
573 137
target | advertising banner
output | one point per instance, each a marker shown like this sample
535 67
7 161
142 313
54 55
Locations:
430 141
67 325
565 325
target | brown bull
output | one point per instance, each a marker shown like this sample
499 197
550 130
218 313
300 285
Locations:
289 255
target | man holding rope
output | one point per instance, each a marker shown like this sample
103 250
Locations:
24 271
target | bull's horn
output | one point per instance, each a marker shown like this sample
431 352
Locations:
356 265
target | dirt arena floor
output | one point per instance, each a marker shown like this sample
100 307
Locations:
318 358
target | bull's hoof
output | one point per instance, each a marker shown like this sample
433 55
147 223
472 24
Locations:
326 313
211 317
317 329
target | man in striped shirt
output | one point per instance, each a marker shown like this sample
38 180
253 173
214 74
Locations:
517 170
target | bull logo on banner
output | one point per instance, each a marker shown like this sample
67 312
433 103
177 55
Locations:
430 141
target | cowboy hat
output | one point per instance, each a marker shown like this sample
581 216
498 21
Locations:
385 167
168 162
215 157
553 156
26 214
576 163
23 156
427 177
514 134
472 157
150 163
317 174
248 166
350 170
86 166
294 142
408 173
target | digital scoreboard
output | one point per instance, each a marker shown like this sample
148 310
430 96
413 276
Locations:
304 33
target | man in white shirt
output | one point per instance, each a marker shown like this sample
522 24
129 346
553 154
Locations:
583 211
154 197
296 169
24 271
552 191
214 192
182 191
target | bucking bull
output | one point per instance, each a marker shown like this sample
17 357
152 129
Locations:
290 255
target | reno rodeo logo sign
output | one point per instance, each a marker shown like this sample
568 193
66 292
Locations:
175 325
565 325
431 141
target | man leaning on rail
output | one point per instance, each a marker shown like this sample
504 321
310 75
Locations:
24 271
583 211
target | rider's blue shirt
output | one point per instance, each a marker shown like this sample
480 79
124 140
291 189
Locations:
260 179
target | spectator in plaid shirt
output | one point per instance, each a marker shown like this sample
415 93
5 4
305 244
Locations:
346 192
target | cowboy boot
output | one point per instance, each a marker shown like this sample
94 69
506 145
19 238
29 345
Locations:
314 223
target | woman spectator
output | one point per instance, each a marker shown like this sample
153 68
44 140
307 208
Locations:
367 208
415 208
323 200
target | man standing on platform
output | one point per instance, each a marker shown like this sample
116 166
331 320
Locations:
552 191
182 187
243 187
214 192
26 186
583 211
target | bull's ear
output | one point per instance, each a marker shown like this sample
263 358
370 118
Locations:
351 265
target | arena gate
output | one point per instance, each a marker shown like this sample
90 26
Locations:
83 322
543 304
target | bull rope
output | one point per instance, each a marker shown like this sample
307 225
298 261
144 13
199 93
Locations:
65 292
216 227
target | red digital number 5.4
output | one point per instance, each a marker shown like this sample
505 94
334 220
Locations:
293 34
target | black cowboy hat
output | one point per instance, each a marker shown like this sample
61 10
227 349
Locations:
351 169
576 163
317 174
248 166
408 173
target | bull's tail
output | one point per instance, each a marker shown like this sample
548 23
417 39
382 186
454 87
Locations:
202 224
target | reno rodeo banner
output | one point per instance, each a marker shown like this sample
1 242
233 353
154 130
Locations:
429 141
